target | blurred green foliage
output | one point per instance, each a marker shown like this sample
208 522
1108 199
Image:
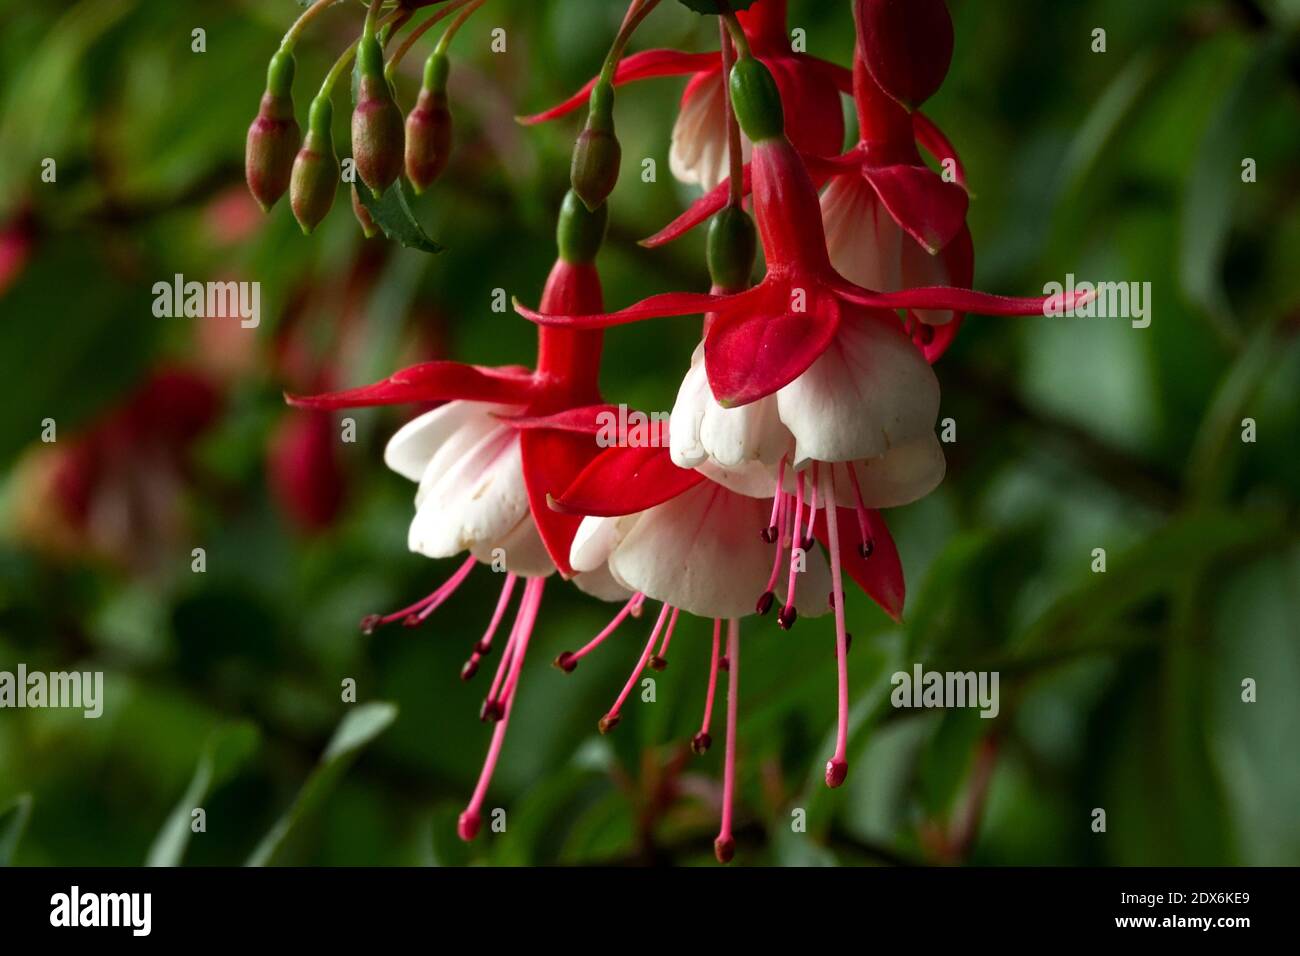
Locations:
1120 691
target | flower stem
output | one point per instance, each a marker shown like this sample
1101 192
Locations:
299 25
450 33
345 58
735 157
400 53
737 34
638 11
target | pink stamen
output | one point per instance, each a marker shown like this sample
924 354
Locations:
724 847
569 659
612 717
485 642
774 523
788 613
838 766
781 524
426 605
867 546
468 825
702 741
812 510
660 660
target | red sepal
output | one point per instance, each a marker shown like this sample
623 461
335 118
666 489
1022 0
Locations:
879 576
624 481
432 382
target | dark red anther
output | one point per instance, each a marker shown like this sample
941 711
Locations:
701 742
491 711
566 662
867 548
370 623
724 848
469 669
787 617
765 602
769 534
609 722
657 663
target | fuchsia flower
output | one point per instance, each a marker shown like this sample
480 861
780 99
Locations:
485 462
809 86
677 536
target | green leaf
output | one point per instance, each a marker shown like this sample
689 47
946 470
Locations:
13 821
710 7
226 750
392 213
356 731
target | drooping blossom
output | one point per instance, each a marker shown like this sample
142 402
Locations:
680 537
116 490
485 462
810 87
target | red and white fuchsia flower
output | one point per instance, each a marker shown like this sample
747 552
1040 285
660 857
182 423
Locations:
810 404
809 86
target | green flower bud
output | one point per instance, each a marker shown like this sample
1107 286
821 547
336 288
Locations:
732 249
581 231
429 127
756 100
316 169
597 154
274 136
378 136
369 228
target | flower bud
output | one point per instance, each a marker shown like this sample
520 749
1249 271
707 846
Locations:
428 127
580 231
369 227
597 153
316 170
756 100
274 136
377 126
732 249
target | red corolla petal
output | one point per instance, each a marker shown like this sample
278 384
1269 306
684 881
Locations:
814 115
934 142
584 421
881 575
432 382
624 481
698 212
907 46
840 76
749 354
639 66
928 209
551 460
657 306
959 258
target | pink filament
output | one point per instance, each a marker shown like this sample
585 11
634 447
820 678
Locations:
777 496
633 607
796 542
668 635
645 656
862 510
485 643
431 601
528 607
840 760
713 678
729 765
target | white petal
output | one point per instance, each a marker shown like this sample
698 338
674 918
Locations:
864 242
475 501
753 479
751 433
870 391
700 552
593 543
905 474
409 451
693 400
521 548
602 584
698 153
